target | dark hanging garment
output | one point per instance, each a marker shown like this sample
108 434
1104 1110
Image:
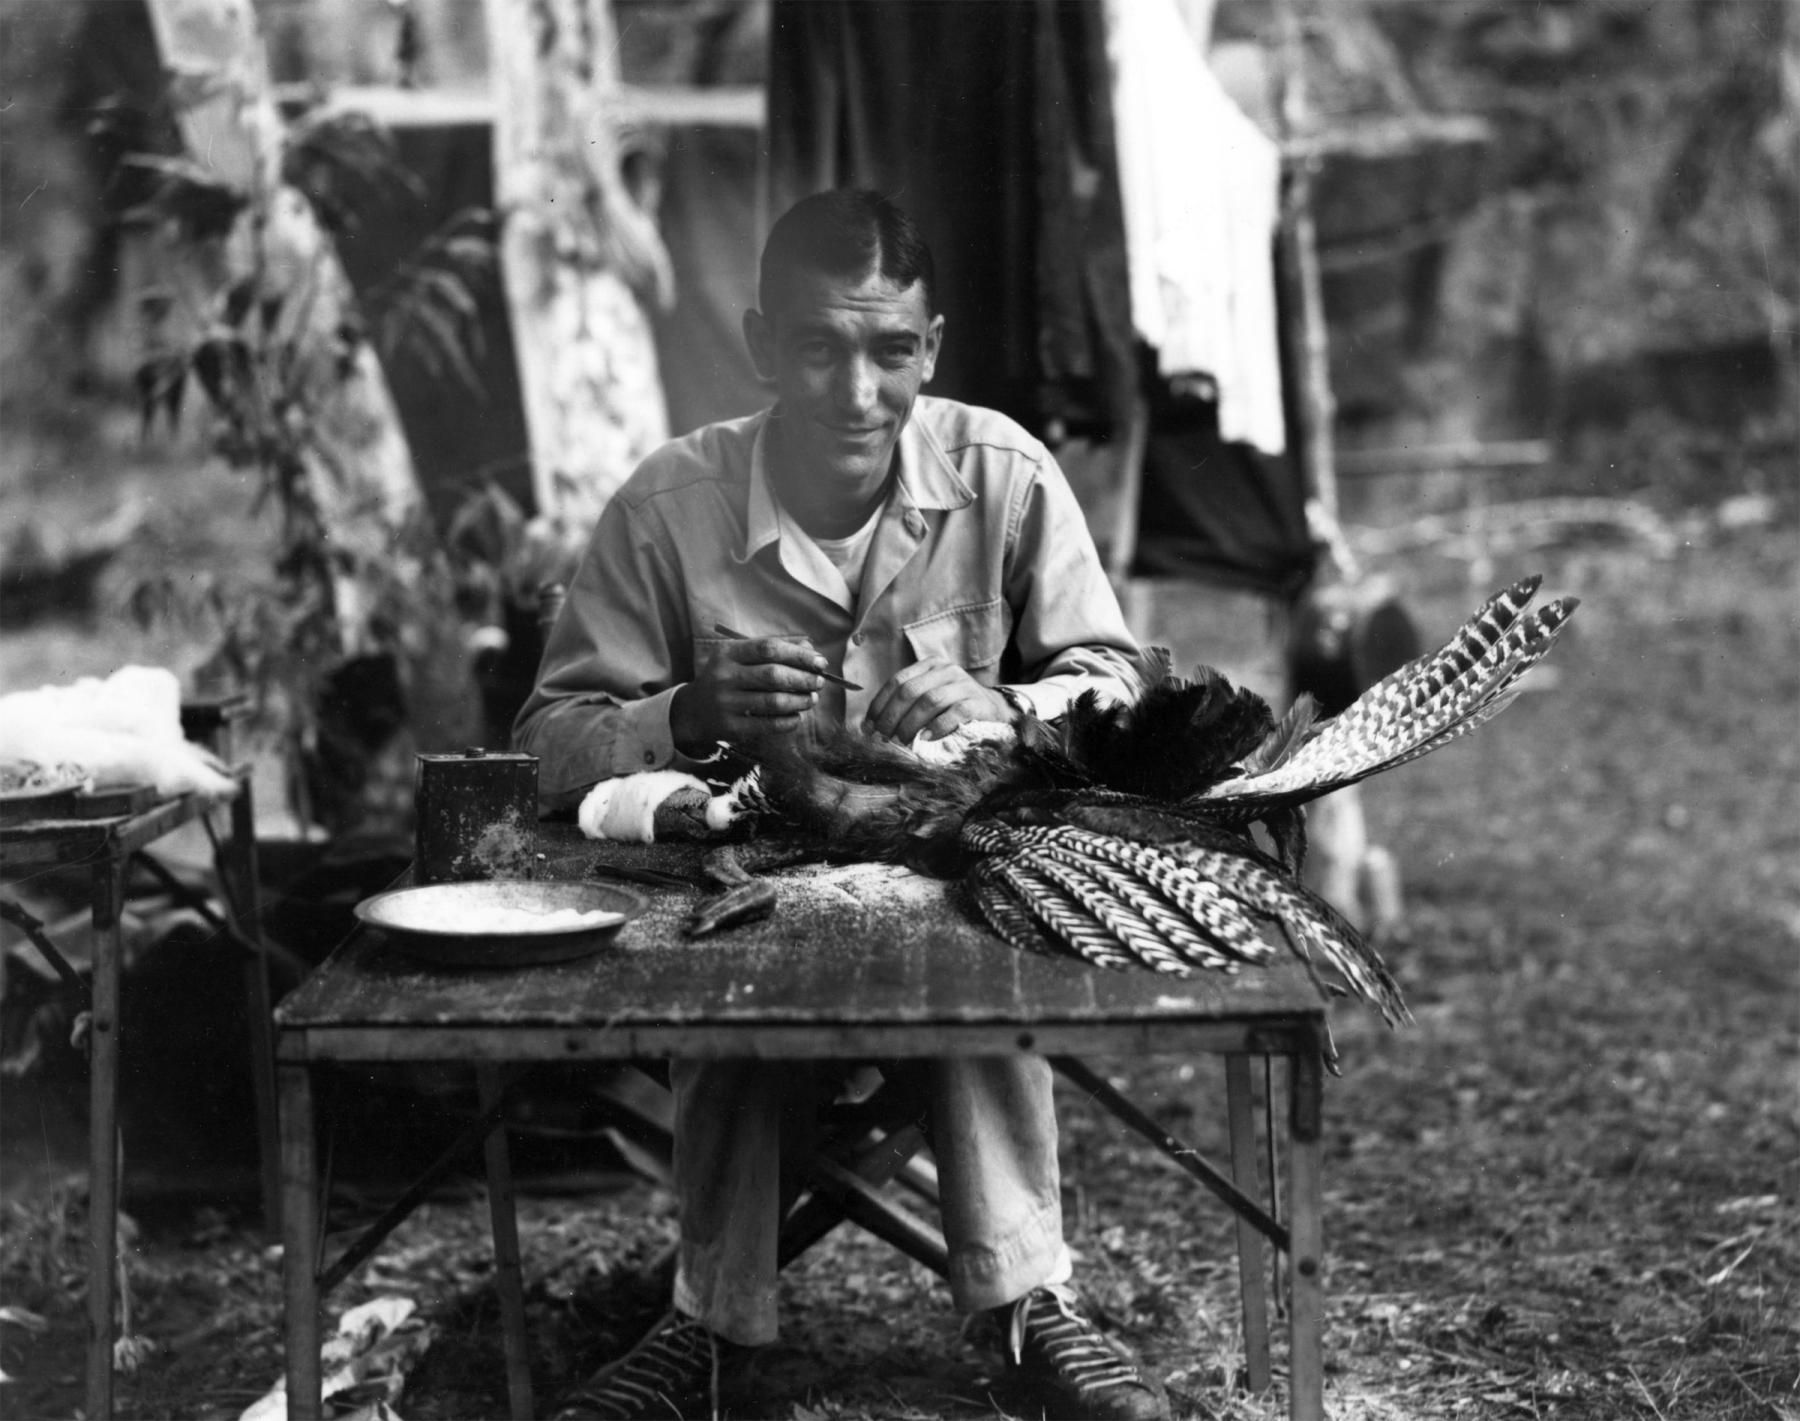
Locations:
1224 512
1217 511
1086 345
989 122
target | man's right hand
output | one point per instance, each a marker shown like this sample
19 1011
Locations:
752 689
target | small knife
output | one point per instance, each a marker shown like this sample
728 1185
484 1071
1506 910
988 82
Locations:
835 680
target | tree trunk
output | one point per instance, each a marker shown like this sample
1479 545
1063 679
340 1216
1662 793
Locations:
576 251
225 105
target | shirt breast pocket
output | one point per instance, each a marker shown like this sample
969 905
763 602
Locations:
972 637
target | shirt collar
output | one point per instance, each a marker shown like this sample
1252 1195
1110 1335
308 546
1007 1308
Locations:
927 480
762 520
927 477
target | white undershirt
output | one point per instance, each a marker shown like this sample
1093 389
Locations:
848 555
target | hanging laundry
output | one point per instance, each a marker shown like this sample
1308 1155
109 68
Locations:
1201 187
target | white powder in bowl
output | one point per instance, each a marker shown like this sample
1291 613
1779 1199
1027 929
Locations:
495 919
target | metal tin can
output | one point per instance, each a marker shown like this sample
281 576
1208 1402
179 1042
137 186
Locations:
476 816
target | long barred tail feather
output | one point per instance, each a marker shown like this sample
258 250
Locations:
1117 907
1171 907
1314 928
1415 704
1066 920
1225 935
1119 912
1419 708
1005 915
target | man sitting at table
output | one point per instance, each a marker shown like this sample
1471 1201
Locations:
934 552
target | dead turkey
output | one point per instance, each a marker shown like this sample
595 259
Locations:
1125 834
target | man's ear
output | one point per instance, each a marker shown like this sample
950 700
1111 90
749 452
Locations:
934 338
759 338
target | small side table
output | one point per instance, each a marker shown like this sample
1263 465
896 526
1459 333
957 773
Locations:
105 846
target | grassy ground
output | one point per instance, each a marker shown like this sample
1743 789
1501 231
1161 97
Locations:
1568 1191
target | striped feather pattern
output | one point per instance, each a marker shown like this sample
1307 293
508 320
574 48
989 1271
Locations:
1066 919
1419 708
1176 929
1427 700
1109 901
1214 914
989 836
1004 915
1312 926
1117 912
1496 671
1391 713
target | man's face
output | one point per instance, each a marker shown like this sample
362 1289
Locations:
847 355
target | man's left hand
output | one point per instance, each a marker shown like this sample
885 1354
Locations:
933 696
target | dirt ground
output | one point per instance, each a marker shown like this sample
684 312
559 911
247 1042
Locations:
1568 1191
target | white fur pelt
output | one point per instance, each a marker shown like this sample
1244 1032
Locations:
125 729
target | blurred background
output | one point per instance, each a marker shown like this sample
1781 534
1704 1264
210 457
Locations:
1549 252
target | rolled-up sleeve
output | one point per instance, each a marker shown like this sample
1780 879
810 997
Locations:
1070 633
601 704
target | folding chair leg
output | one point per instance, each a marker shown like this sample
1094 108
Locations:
859 1202
822 1211
503 1217
919 1177
1306 1364
1251 1275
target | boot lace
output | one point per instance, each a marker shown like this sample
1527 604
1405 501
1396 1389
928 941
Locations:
677 1365
1050 1320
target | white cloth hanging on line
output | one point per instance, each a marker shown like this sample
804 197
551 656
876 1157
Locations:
1201 186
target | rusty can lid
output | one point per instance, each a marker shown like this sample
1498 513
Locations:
475 752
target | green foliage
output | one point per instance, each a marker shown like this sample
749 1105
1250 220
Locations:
343 161
429 307
344 582
502 558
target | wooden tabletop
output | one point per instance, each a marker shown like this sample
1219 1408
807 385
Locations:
57 842
859 959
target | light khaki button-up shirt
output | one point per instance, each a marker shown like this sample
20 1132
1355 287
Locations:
981 556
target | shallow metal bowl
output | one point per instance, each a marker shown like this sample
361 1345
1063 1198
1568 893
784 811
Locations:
479 924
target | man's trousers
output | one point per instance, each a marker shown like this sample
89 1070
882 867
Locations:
744 1131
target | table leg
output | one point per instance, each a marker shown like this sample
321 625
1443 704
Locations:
238 868
300 1242
1306 1255
103 1139
1252 1279
505 1222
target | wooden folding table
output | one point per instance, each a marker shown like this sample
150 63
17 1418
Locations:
850 966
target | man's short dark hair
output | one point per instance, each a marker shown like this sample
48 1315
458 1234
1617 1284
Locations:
844 232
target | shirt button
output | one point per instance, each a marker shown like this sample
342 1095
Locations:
649 757
915 524
859 638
